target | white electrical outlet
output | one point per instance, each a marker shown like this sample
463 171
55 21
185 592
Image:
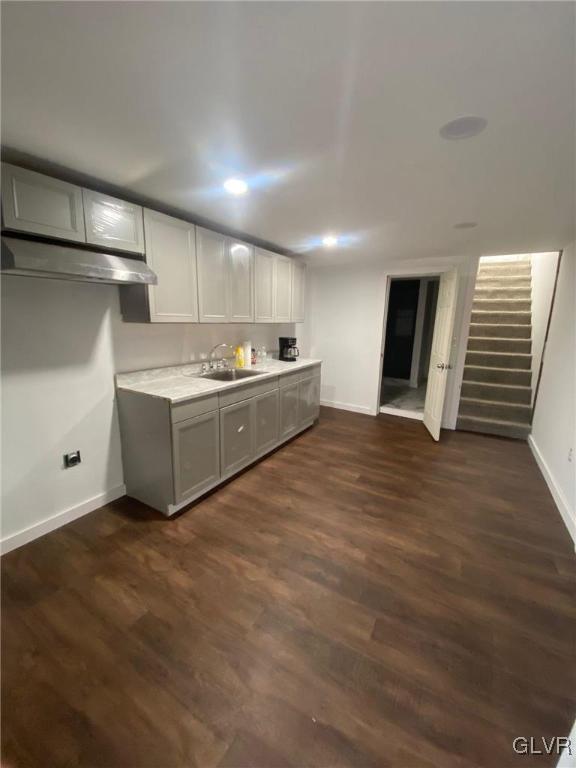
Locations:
570 454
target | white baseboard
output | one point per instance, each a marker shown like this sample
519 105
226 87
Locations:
349 407
561 502
568 756
58 520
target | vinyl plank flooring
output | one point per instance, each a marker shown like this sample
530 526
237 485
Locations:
361 597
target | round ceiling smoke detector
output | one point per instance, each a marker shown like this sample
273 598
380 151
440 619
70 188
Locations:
466 225
463 128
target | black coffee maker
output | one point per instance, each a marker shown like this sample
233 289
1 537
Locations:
288 349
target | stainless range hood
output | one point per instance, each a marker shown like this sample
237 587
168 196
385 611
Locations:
33 258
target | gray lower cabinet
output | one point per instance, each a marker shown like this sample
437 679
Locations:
308 400
172 453
266 422
195 446
236 436
289 410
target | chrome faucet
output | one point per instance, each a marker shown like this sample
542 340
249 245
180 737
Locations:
222 362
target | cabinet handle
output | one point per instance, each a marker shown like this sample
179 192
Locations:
241 428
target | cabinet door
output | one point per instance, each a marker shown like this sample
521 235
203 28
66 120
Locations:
263 286
32 202
240 282
212 256
195 445
309 400
288 410
298 292
236 436
171 252
265 422
282 289
113 223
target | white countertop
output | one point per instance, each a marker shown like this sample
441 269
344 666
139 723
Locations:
178 383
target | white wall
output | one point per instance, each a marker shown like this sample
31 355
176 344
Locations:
62 342
554 423
344 328
543 278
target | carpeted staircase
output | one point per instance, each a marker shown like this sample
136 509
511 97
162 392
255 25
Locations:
496 392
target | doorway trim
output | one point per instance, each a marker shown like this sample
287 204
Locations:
467 267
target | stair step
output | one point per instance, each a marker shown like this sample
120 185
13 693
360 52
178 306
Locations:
501 318
500 330
506 292
497 375
503 281
502 305
517 269
504 393
499 360
493 427
495 409
491 344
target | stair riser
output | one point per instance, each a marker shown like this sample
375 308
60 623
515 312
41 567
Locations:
485 410
516 432
502 305
494 360
500 294
505 331
501 318
506 281
517 346
509 270
514 395
498 376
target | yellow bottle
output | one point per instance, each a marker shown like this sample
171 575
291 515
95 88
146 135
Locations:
239 356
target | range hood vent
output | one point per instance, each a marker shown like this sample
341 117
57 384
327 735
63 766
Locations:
33 258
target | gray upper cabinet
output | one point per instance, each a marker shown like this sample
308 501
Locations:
288 410
240 282
32 202
236 436
298 292
266 422
195 446
113 223
264 286
212 256
171 252
282 289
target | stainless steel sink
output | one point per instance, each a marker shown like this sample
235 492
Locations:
233 374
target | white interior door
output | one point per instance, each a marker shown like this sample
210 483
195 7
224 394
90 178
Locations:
440 354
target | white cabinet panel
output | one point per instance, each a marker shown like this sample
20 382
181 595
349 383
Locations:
212 256
196 450
32 202
282 289
171 252
240 282
264 286
112 222
266 419
298 292
288 409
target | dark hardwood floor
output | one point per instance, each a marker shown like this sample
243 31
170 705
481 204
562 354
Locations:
362 597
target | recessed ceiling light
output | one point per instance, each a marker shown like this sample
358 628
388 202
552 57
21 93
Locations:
329 241
235 186
466 225
463 128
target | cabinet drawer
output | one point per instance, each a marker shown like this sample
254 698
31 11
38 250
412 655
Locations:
290 378
307 373
188 410
250 390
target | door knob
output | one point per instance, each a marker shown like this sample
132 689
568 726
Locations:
441 366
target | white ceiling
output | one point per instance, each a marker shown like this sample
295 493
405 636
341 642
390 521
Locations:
331 110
